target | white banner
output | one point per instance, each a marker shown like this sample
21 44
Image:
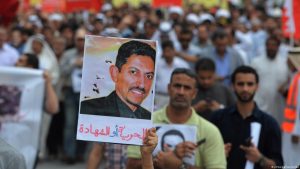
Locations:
21 103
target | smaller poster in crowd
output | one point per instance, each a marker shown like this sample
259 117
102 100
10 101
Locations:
117 90
21 103
171 135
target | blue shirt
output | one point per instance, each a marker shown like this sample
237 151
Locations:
223 67
235 130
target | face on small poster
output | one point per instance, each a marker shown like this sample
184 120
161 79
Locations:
172 135
116 98
10 97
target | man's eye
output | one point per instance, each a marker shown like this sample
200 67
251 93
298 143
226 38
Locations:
149 76
133 72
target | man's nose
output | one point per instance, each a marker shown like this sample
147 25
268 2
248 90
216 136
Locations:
181 90
140 81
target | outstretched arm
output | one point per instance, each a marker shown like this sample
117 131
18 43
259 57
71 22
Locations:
149 144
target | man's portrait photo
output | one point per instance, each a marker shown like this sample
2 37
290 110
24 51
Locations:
132 72
170 135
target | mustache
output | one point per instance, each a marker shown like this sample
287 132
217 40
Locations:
138 88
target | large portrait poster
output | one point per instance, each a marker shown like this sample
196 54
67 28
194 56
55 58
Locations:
171 135
21 102
117 90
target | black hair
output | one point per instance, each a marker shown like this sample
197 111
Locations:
219 34
167 43
133 47
150 23
32 60
205 64
170 133
186 31
244 69
185 71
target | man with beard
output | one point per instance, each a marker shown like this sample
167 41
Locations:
274 74
235 124
182 89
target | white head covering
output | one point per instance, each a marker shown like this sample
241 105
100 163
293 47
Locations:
223 13
106 7
35 20
193 18
176 9
56 17
206 17
165 26
47 59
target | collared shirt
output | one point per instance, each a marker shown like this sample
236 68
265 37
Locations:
125 111
223 66
209 155
236 130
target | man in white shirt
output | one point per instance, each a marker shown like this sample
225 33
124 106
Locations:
165 66
274 73
8 55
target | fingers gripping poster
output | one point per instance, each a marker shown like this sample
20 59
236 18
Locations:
117 90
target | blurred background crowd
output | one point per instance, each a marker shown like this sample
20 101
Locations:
230 33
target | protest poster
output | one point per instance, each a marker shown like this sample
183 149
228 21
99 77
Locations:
117 90
21 103
172 134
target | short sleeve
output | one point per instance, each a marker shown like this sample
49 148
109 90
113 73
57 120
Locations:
133 152
213 151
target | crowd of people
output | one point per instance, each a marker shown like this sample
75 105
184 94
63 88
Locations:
218 69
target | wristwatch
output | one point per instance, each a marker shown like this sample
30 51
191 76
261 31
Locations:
262 161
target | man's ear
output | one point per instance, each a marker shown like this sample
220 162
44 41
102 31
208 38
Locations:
114 71
169 88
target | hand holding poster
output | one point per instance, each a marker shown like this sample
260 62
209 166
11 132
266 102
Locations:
116 98
172 135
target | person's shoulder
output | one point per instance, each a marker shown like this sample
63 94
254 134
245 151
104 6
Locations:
222 112
179 62
95 101
97 106
145 114
69 52
268 120
10 49
221 86
207 126
159 115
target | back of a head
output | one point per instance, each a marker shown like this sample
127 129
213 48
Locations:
205 64
32 60
133 47
245 70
